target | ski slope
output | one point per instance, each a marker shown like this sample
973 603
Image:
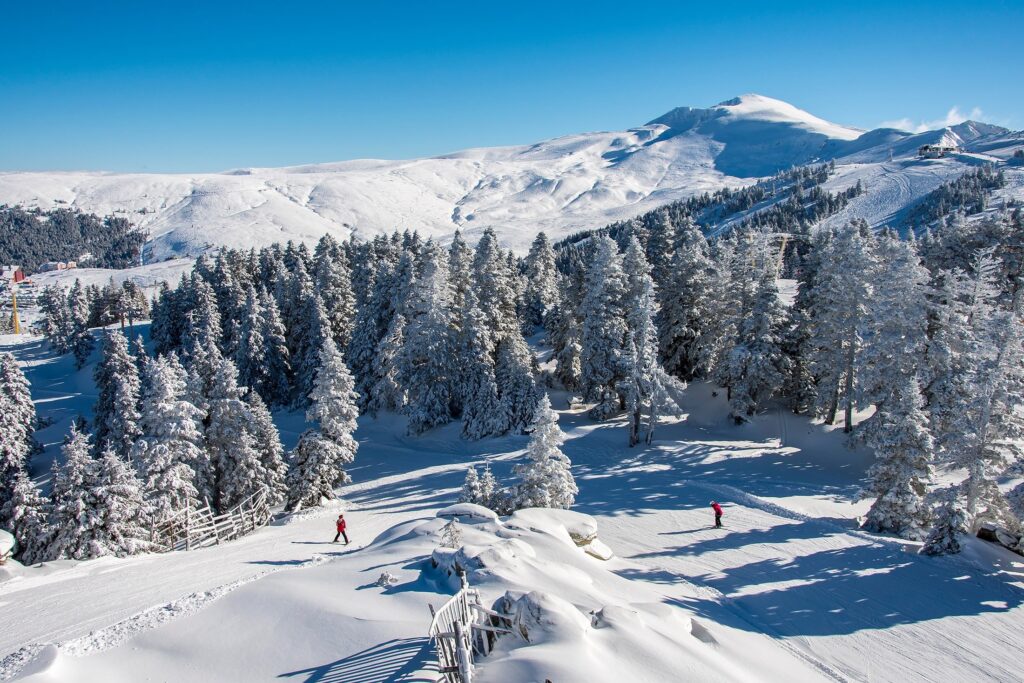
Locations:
789 590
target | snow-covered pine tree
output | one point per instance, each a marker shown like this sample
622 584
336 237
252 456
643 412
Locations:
116 411
896 330
843 290
312 328
460 273
201 340
71 499
387 393
268 445
17 423
756 367
604 332
26 514
490 490
513 376
541 295
171 449
426 365
950 522
277 370
899 477
495 289
546 479
56 318
262 354
978 407
81 342
231 442
686 311
483 413
114 522
319 459
646 385
471 487
333 281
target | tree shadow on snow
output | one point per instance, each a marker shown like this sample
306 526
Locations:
404 659
845 590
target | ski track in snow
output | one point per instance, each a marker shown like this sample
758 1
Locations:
122 631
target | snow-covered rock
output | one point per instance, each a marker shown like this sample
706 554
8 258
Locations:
538 617
468 511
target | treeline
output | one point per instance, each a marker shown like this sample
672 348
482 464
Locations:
67 316
33 237
966 195
793 202
925 332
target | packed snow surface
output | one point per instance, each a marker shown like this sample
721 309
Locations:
788 590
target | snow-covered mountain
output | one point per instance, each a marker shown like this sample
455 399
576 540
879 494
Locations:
559 185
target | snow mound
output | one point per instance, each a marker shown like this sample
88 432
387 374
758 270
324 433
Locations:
539 617
465 511
579 528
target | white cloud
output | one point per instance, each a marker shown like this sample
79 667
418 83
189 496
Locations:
952 118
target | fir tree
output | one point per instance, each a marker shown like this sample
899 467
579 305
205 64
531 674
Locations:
116 412
604 332
546 480
26 513
842 293
686 312
896 329
262 354
171 450
646 385
69 513
231 442
387 393
321 455
495 289
426 363
334 284
113 524
541 295
902 468
81 342
268 445
756 367
17 423
471 487
483 414
517 390
950 522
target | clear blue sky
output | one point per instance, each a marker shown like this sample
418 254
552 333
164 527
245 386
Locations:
175 86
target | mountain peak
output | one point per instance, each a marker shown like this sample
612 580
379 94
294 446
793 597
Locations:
755 108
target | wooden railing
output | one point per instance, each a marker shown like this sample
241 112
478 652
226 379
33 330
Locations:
461 629
194 528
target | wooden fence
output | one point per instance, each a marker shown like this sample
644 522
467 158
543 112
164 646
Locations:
462 629
194 528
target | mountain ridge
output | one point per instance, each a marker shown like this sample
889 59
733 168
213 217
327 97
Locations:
560 185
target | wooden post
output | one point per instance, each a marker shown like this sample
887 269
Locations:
462 651
188 527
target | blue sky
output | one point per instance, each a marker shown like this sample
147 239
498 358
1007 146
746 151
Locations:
211 86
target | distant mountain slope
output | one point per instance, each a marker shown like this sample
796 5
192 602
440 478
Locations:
560 185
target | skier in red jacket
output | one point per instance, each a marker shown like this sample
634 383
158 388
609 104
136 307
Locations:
341 530
718 514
